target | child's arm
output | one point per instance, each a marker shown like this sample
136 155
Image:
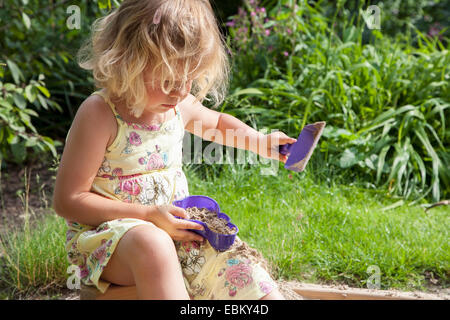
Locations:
227 130
92 128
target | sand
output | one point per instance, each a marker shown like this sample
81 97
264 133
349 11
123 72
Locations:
211 219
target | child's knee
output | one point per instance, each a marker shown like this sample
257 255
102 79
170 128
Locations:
150 242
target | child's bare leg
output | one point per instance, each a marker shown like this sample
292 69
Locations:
146 257
274 295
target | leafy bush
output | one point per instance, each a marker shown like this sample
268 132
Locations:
17 133
36 44
429 16
396 16
386 102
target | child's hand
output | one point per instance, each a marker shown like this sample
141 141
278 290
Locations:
163 217
268 145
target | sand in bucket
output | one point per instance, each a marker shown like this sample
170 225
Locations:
211 219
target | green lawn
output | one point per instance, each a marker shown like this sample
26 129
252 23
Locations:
319 232
310 231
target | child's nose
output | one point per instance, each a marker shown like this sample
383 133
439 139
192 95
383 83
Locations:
181 92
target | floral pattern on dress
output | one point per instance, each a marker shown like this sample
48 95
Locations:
154 160
191 258
130 187
265 286
105 168
197 290
238 275
101 253
133 139
144 189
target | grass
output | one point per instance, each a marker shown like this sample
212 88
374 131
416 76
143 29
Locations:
32 258
326 232
310 229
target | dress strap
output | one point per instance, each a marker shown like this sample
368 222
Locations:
119 121
111 105
172 197
178 115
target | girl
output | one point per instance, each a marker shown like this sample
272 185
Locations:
154 61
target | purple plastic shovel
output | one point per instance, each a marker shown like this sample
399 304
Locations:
299 152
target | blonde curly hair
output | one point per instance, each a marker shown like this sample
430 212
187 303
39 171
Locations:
176 40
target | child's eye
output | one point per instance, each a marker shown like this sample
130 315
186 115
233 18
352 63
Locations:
166 83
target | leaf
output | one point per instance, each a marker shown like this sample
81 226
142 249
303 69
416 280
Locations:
12 138
31 112
19 151
15 72
42 101
30 93
436 162
250 91
26 20
338 133
418 160
50 144
348 159
26 119
394 205
31 142
20 101
44 90
381 161
370 161
10 87
6 104
269 24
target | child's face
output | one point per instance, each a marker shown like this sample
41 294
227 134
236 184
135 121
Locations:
160 102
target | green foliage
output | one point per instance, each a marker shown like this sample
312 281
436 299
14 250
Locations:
431 16
37 43
396 16
385 101
17 132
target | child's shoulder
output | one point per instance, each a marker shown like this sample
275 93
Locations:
96 108
95 105
95 115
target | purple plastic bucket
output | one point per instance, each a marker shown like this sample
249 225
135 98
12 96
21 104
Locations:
220 242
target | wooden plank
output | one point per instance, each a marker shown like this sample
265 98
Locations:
112 293
307 291
319 292
119 293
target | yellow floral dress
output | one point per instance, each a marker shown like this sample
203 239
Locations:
144 165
